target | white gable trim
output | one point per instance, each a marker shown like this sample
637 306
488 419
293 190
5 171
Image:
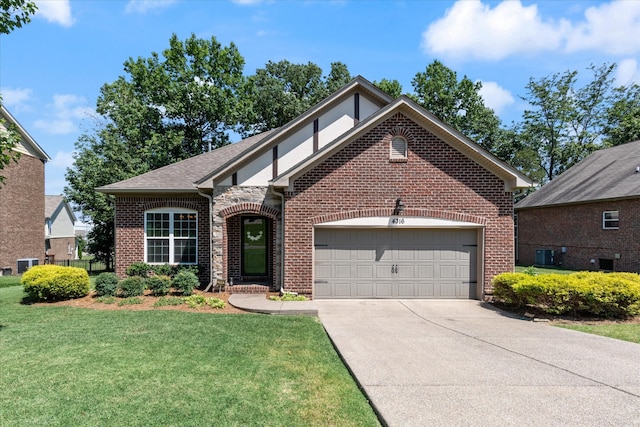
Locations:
358 84
511 177
29 145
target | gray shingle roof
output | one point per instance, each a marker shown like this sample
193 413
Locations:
181 176
606 174
51 203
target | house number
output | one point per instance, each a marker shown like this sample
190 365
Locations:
397 220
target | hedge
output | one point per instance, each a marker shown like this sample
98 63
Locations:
611 295
54 282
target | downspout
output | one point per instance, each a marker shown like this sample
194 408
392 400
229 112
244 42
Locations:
281 196
210 198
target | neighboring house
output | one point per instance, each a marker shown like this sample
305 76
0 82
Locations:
362 196
587 218
22 203
59 230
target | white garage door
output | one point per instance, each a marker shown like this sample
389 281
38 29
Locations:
395 263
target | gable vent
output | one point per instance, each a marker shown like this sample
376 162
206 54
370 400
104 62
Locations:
398 148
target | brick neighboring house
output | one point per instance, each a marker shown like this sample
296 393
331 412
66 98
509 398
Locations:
587 218
22 202
59 230
362 196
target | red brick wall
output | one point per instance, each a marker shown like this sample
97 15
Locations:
435 181
130 228
579 229
22 212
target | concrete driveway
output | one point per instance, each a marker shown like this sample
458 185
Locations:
463 363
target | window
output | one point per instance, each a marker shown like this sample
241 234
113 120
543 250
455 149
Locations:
398 148
171 236
610 220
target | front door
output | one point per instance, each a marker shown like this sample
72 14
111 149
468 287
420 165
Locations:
255 239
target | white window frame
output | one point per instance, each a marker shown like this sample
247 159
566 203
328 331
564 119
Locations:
609 217
172 239
395 154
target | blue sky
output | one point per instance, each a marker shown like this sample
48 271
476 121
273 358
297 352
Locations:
52 69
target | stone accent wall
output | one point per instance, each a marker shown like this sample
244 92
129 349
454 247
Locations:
22 212
578 228
229 202
435 181
129 233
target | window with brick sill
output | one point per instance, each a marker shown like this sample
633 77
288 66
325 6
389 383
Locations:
398 149
610 220
171 236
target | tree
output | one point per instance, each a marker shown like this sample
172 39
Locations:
392 87
13 14
566 122
165 111
457 103
623 117
282 91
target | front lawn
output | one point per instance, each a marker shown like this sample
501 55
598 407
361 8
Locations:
621 331
72 366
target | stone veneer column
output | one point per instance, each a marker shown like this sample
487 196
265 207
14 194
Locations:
228 196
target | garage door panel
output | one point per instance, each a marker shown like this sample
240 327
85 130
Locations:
384 290
395 263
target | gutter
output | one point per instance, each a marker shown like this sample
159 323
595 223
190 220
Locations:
210 198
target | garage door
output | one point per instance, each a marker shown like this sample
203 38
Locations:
395 263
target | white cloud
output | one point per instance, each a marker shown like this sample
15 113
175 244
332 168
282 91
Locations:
144 6
66 111
627 72
495 96
15 98
476 30
471 28
62 160
57 11
613 28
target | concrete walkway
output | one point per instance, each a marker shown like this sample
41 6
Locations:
463 363
258 303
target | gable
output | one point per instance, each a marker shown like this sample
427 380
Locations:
27 144
511 178
300 138
434 172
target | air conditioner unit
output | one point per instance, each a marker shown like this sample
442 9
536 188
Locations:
26 263
544 256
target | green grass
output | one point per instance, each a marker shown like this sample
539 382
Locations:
544 270
9 281
622 331
82 367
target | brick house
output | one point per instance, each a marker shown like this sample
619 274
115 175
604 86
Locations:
22 202
59 230
587 218
362 196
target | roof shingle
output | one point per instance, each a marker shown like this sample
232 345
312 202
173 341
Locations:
610 173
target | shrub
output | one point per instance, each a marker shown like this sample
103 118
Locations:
106 284
185 282
159 285
162 270
130 301
164 301
139 269
131 287
613 295
53 282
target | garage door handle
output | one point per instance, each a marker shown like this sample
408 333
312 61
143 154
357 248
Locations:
394 268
